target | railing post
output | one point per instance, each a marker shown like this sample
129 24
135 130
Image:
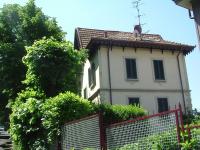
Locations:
178 127
189 132
59 143
181 118
102 132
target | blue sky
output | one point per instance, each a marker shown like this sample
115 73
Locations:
160 16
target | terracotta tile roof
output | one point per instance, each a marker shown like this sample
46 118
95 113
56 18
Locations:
85 38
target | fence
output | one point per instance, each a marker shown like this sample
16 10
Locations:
81 134
141 133
145 132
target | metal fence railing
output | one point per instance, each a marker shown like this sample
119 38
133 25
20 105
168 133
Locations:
163 129
81 134
144 133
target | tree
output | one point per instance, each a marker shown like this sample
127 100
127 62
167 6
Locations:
36 25
20 26
10 30
53 66
12 72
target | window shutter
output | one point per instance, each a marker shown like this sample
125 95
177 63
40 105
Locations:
158 70
131 70
134 101
128 68
89 77
134 72
85 93
161 69
93 74
162 105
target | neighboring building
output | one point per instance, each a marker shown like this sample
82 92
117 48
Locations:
192 5
133 68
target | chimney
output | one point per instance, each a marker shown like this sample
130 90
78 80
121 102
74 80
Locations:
137 30
105 34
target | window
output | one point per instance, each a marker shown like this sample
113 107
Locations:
131 70
134 101
162 105
85 93
92 75
158 70
89 77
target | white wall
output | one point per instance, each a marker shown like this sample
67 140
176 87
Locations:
90 90
145 87
148 100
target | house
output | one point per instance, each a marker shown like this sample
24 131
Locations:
192 5
134 68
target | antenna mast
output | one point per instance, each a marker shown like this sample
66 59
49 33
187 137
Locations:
136 5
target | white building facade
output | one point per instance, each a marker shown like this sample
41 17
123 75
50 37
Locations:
127 69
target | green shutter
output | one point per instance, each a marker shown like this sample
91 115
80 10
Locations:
158 70
131 69
162 105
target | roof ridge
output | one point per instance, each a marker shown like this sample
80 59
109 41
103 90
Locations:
115 31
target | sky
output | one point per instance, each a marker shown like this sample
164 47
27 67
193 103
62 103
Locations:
159 17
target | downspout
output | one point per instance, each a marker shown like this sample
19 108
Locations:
109 74
181 82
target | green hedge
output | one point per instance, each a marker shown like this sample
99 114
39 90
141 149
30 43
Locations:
116 113
35 121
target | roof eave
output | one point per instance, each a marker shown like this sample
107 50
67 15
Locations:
184 3
139 44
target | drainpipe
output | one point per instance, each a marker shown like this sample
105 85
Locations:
181 82
109 74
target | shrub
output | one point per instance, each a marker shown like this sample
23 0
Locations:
25 121
188 143
116 113
154 142
63 108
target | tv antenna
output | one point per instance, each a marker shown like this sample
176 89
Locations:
137 4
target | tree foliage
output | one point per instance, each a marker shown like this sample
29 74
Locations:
35 24
20 26
26 127
53 66
12 71
10 30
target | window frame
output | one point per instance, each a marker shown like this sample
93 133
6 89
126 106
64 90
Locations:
125 69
